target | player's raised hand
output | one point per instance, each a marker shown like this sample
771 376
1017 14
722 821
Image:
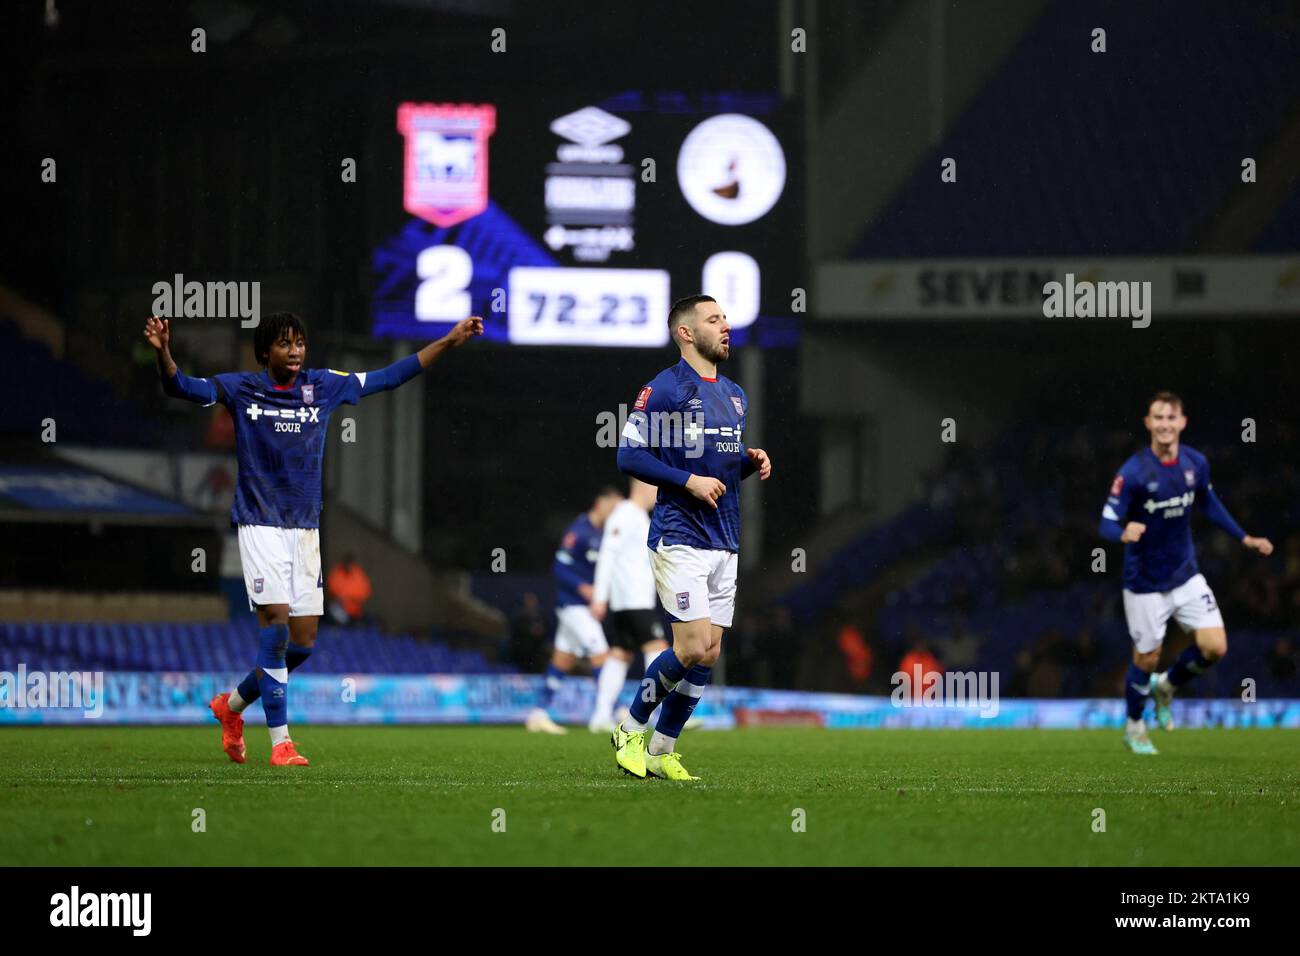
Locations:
1262 545
157 332
706 489
1132 531
761 462
464 330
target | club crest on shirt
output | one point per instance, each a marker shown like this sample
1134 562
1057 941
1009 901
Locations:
683 600
642 397
308 394
257 585
735 400
1190 475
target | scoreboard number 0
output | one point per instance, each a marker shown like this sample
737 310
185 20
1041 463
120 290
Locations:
733 279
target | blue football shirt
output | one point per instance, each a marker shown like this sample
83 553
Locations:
693 425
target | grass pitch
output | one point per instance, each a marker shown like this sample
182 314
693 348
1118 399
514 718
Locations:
429 796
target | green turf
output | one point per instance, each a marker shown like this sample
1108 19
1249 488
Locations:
426 796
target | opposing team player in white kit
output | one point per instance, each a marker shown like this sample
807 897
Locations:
625 593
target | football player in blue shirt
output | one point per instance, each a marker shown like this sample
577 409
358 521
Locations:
684 435
577 632
1150 510
281 414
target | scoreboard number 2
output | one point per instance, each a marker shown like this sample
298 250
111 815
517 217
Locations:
443 293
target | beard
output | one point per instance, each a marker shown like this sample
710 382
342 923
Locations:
714 352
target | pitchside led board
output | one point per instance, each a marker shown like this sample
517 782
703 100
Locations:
540 218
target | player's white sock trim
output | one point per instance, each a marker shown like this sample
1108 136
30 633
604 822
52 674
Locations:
1135 728
613 673
687 689
278 674
279 735
661 744
237 703
634 726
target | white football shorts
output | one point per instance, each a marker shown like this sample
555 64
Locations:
695 583
282 566
1191 604
578 633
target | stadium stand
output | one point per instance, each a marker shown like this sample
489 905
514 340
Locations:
40 386
221 648
1024 138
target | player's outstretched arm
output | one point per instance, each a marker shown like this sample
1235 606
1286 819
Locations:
1217 512
460 333
401 372
157 332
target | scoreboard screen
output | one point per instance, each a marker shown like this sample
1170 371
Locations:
578 222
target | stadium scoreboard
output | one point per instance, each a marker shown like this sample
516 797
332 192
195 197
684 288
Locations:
578 225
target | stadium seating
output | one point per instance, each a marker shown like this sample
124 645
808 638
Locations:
1077 156
221 647
40 386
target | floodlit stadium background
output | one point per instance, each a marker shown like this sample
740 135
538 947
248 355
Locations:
890 309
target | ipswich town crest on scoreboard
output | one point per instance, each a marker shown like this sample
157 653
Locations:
446 159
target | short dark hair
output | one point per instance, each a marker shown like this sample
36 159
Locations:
269 330
606 491
683 308
1166 397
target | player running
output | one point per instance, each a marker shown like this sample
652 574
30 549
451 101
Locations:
281 414
625 590
1150 510
684 436
577 633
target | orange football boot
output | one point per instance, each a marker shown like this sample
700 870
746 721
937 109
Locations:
232 727
286 755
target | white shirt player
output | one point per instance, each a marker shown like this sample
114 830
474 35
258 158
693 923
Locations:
624 579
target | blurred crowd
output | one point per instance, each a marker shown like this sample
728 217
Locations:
1033 501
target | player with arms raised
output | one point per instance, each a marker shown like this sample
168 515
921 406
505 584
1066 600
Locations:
1150 510
695 528
281 414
